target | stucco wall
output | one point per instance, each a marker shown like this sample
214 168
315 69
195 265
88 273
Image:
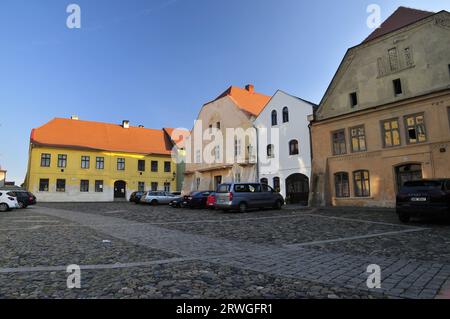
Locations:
284 165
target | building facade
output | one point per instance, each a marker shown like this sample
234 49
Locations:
385 118
235 109
284 150
83 161
2 177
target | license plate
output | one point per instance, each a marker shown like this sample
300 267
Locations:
418 199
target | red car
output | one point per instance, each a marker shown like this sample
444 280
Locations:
211 201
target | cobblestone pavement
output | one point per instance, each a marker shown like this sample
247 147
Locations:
131 251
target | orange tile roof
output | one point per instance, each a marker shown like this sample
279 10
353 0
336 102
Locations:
246 99
70 133
402 17
180 139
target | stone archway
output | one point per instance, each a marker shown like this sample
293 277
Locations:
120 190
297 189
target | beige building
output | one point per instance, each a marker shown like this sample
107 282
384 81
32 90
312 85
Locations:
2 177
385 118
235 108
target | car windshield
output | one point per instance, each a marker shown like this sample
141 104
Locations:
224 188
422 184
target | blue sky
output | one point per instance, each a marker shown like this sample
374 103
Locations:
155 62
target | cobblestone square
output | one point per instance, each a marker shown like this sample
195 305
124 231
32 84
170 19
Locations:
132 251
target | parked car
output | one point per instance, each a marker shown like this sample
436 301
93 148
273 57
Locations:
428 197
7 202
244 196
197 199
211 201
136 197
24 198
157 198
178 202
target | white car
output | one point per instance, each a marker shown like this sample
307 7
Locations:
7 201
156 198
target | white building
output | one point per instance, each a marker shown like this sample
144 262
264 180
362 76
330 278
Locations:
284 153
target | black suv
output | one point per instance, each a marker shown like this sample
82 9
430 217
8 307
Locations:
424 198
24 198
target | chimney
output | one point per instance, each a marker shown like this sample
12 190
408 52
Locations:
74 117
141 126
126 124
250 88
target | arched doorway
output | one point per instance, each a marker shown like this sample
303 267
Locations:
297 189
120 190
264 181
406 173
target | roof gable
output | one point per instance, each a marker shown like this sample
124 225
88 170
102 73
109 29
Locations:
246 99
400 18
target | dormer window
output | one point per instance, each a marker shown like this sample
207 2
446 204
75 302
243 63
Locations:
353 99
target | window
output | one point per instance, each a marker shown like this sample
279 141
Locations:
293 147
339 144
353 99
237 147
154 166
61 185
141 165
362 183
43 185
120 164
100 163
62 160
99 186
448 113
197 183
393 59
408 57
198 158
341 184
141 186
276 184
210 129
218 125
270 151
85 162
154 186
285 115
415 128
391 133
167 167
217 152
264 181
397 87
45 160
358 137
84 186
167 187
237 177
274 118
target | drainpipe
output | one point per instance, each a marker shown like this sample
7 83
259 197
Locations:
257 154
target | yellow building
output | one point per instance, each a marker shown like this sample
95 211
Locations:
84 161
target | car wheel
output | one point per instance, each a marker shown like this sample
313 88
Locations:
278 205
242 207
3 207
404 217
154 203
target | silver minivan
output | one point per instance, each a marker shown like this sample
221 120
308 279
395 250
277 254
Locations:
244 196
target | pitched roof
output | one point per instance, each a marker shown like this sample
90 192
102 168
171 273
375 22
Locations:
180 135
61 132
246 99
402 17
